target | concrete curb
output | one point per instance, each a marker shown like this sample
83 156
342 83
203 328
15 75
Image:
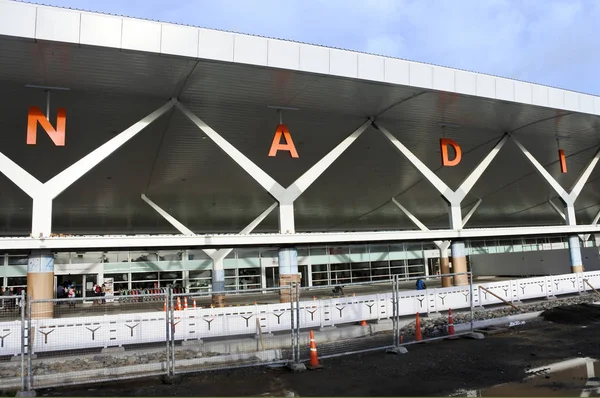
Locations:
149 369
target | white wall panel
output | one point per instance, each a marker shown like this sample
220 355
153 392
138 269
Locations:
314 59
179 40
540 95
421 75
397 71
465 82
505 89
523 92
486 86
343 63
215 45
17 19
58 25
443 79
101 30
371 67
141 35
556 98
571 101
250 50
283 54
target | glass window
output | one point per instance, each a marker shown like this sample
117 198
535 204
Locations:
86 257
115 257
170 255
62 258
197 255
142 276
17 259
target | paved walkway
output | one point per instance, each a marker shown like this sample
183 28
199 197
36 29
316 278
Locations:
83 309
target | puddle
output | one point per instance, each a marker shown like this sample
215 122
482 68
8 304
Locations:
579 377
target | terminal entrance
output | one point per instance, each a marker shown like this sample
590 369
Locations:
84 284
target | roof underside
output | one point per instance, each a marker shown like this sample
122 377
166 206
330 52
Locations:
184 172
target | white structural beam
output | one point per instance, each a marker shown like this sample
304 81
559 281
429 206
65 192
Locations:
471 212
568 198
214 254
172 220
285 196
276 239
44 194
441 245
454 198
217 255
594 222
557 210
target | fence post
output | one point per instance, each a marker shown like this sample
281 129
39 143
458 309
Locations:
471 299
292 323
23 304
297 329
167 334
29 347
172 330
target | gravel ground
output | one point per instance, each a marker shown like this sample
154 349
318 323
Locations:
431 369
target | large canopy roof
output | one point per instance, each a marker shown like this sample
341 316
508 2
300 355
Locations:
119 69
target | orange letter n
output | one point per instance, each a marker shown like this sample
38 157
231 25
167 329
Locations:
444 143
278 146
57 135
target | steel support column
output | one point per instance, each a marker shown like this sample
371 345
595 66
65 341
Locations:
568 199
288 273
40 283
459 263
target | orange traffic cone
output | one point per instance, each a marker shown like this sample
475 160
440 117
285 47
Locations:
185 306
363 323
165 307
178 303
314 358
450 323
194 303
418 335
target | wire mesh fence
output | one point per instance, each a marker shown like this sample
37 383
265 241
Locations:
82 344
258 334
47 343
386 319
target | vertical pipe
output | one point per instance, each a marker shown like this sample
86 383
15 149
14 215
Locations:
172 331
167 314
292 325
29 347
23 340
48 104
297 322
471 297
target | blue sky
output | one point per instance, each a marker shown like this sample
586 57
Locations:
552 42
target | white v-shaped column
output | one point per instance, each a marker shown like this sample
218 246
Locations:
568 199
44 193
442 246
285 196
217 256
454 198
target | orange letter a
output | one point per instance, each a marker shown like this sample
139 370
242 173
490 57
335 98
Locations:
278 146
57 135
444 142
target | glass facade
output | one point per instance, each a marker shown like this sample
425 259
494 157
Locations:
255 268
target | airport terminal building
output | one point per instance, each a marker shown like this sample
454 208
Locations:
150 153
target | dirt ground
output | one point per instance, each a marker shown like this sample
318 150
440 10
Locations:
432 369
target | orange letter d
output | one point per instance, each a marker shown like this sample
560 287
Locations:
444 143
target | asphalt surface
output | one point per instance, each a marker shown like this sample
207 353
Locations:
432 369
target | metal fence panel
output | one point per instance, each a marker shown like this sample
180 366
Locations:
81 344
259 334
